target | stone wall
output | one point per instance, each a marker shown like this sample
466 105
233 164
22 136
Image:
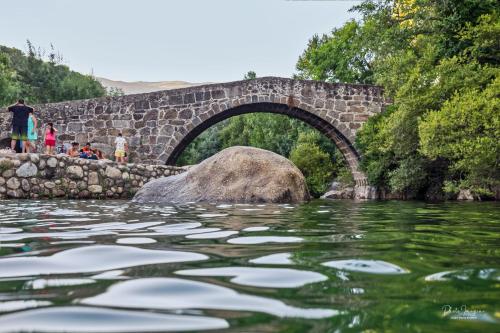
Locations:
159 125
44 176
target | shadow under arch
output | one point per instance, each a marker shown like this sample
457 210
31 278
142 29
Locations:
326 128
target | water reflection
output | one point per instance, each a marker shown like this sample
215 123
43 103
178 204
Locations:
260 277
91 259
113 266
276 259
175 294
89 320
366 266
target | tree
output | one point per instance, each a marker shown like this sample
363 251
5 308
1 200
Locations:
40 79
466 132
9 88
315 164
423 53
339 57
250 75
114 91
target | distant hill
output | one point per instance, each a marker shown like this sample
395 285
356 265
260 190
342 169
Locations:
139 87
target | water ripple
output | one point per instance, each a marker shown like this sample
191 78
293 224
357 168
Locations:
91 259
175 294
98 320
260 277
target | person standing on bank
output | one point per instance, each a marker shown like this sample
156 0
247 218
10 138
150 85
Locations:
20 117
50 139
32 133
121 146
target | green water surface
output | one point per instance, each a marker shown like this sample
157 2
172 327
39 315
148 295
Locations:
339 266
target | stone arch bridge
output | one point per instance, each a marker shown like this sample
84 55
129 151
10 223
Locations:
160 125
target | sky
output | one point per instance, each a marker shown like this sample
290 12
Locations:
166 40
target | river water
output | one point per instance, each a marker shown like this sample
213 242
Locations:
325 266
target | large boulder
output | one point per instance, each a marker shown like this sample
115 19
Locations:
236 174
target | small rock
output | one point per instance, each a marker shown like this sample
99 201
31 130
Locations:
2 181
113 172
84 194
93 178
13 183
15 193
343 193
8 173
25 184
74 172
95 188
465 195
49 185
35 158
57 192
52 162
27 170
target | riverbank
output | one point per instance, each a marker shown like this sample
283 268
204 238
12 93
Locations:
39 176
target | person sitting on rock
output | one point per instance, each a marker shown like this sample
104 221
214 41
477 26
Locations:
92 155
74 151
86 148
100 154
83 154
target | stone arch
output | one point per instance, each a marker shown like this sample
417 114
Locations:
158 125
341 142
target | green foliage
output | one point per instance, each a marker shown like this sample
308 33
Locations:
40 79
424 53
250 75
205 145
315 164
114 91
466 132
5 165
277 133
8 85
339 57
